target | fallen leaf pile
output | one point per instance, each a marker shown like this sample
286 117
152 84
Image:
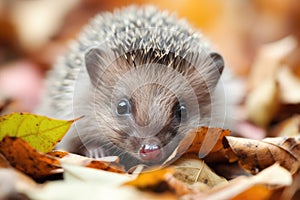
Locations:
259 41
39 172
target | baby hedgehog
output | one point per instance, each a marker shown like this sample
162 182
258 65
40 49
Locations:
142 79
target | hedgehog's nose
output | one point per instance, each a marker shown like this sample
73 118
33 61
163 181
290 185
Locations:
150 151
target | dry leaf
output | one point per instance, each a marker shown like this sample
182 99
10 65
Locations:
40 132
291 144
190 169
207 140
26 159
255 155
201 142
240 187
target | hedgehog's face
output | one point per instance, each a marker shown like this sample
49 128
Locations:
144 106
149 122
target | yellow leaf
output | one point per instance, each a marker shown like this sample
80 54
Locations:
40 132
150 178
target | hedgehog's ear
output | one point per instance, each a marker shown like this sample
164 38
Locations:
217 61
210 66
95 63
215 69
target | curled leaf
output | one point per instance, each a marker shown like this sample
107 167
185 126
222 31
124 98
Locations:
255 155
201 142
291 144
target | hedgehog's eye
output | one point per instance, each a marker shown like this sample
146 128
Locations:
181 112
124 107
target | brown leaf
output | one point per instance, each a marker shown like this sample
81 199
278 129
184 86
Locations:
291 144
201 142
26 159
207 140
255 155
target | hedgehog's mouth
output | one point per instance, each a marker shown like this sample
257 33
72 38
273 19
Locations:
151 150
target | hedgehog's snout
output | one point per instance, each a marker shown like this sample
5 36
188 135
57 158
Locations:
150 150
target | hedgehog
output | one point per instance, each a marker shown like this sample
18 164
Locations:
142 79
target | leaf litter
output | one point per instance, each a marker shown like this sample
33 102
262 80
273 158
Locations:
189 177
272 97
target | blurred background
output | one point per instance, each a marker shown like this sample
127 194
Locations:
257 38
